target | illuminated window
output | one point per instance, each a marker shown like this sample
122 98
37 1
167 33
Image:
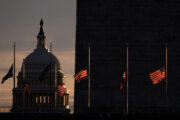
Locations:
36 99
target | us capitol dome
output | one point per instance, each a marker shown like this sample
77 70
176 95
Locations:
43 96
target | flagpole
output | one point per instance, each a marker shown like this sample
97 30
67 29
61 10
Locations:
89 104
55 85
50 75
14 65
14 72
166 73
127 78
23 85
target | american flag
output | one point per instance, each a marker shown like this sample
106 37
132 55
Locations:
45 73
157 76
27 88
61 90
124 75
122 81
163 75
81 74
8 75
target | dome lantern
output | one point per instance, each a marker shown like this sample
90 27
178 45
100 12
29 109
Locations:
41 37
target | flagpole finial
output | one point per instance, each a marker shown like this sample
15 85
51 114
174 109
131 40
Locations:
14 66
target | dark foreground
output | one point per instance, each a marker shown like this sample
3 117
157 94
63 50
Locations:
60 116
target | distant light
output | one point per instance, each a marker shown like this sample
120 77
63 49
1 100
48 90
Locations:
67 106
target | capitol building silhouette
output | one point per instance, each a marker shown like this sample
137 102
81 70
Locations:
42 96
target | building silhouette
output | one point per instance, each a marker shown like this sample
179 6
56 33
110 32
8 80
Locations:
43 93
146 27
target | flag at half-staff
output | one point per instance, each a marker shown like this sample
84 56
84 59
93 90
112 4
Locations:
81 74
8 75
61 90
45 73
157 76
27 88
123 81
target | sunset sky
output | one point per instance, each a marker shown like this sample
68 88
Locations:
19 23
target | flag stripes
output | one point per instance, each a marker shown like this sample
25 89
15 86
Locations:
61 90
77 76
121 85
80 75
163 75
122 81
83 74
157 76
124 75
